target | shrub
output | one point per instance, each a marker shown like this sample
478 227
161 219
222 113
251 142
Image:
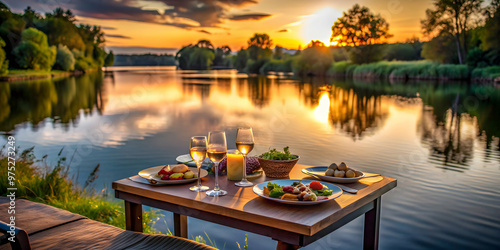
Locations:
340 68
315 60
277 66
4 63
33 52
488 73
253 67
366 53
64 59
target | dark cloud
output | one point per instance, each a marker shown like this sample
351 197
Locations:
204 31
185 14
245 17
117 36
283 30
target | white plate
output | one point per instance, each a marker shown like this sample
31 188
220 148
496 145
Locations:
320 173
259 190
152 173
186 159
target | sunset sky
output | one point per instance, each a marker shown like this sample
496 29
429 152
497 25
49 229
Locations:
158 26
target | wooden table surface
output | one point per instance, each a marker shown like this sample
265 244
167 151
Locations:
244 205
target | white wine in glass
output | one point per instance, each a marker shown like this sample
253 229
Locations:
198 151
216 151
244 144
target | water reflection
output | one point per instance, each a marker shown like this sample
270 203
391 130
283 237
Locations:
59 99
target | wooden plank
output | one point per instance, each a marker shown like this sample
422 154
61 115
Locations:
133 216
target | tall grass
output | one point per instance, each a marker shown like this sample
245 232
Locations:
486 73
401 70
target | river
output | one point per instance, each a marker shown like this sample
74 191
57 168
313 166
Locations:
440 140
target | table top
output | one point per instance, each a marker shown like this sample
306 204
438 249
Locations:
243 204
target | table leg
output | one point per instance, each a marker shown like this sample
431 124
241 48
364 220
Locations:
372 224
180 225
133 216
285 246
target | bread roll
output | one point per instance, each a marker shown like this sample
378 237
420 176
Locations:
333 166
329 172
350 174
342 166
179 168
339 173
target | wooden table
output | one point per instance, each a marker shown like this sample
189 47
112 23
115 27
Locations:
288 224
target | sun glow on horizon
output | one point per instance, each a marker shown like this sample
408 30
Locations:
318 26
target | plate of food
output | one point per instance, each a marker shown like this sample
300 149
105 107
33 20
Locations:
171 174
335 173
187 160
297 192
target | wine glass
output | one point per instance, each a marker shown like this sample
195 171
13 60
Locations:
217 149
244 144
198 151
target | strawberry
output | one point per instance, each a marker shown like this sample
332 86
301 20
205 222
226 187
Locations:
165 176
315 185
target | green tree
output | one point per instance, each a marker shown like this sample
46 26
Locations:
240 61
4 63
110 59
358 26
361 29
11 26
440 49
259 46
200 58
452 17
221 56
314 60
278 52
491 39
31 17
34 52
64 59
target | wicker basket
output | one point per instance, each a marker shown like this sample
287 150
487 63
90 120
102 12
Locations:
277 168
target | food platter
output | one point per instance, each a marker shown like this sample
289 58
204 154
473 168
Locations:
320 173
259 190
152 173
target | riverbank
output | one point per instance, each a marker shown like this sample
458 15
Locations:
414 70
23 75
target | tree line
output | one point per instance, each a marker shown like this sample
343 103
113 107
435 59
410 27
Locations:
459 32
31 41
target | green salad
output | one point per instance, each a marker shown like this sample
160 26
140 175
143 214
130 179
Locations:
274 154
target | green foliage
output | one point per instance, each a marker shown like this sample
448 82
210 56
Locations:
195 57
64 59
277 66
402 52
366 53
144 60
342 68
359 26
440 49
452 18
4 63
33 52
109 60
61 31
315 60
259 46
222 57
453 71
200 58
490 38
477 58
240 61
253 67
487 73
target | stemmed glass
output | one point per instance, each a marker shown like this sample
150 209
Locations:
198 151
217 149
244 144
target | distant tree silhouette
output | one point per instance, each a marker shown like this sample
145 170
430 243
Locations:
358 26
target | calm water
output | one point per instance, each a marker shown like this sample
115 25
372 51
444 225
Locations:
441 141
